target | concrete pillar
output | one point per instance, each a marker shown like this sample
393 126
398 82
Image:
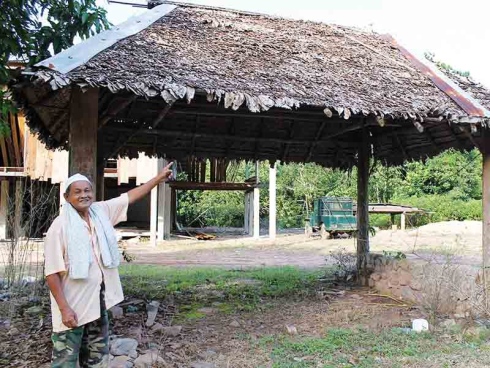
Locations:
248 218
272 202
4 197
403 221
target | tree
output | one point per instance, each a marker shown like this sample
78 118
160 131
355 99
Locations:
33 30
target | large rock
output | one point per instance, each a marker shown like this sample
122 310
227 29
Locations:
148 360
116 312
171 331
124 346
121 361
202 365
152 310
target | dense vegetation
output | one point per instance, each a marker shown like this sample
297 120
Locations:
448 186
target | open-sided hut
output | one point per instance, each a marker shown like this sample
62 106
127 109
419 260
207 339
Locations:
185 81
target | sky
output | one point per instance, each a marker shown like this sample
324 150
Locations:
456 32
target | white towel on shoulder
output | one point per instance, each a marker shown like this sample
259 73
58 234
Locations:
79 245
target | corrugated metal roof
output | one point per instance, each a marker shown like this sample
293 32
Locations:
444 83
79 54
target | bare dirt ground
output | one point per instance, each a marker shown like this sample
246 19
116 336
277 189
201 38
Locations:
461 238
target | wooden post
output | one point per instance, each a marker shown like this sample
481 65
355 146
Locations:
272 201
18 204
485 150
362 205
101 163
84 119
4 205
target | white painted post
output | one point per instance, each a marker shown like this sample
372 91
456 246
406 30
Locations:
256 213
272 202
256 204
154 206
164 207
4 196
402 222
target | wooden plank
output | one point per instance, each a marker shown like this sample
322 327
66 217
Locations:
186 185
4 196
3 148
21 123
213 170
362 205
84 118
15 140
203 171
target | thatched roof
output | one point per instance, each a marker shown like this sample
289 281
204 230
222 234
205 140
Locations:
259 84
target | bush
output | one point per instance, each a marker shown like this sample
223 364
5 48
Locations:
442 208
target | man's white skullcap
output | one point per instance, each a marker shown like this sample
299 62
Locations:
74 178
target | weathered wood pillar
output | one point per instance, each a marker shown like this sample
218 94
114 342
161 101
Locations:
101 163
272 201
362 204
4 205
485 150
84 119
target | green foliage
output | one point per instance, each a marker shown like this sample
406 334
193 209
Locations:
341 347
29 28
198 287
448 186
445 67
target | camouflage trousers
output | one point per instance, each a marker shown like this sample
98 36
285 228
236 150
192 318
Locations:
85 346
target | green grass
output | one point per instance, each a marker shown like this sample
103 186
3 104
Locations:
365 349
204 285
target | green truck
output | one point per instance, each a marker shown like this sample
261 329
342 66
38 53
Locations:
332 217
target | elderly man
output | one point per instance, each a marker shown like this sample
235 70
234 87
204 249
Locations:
81 260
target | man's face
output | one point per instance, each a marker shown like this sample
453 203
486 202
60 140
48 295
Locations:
80 195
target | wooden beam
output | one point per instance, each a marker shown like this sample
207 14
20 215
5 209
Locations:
115 107
286 146
362 205
4 205
238 138
3 148
161 115
84 118
186 185
203 171
315 142
15 139
485 150
22 136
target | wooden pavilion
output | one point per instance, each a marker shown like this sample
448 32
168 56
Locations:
183 81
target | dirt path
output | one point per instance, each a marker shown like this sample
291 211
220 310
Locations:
462 239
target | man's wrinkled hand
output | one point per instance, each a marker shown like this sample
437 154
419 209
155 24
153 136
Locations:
166 173
69 317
